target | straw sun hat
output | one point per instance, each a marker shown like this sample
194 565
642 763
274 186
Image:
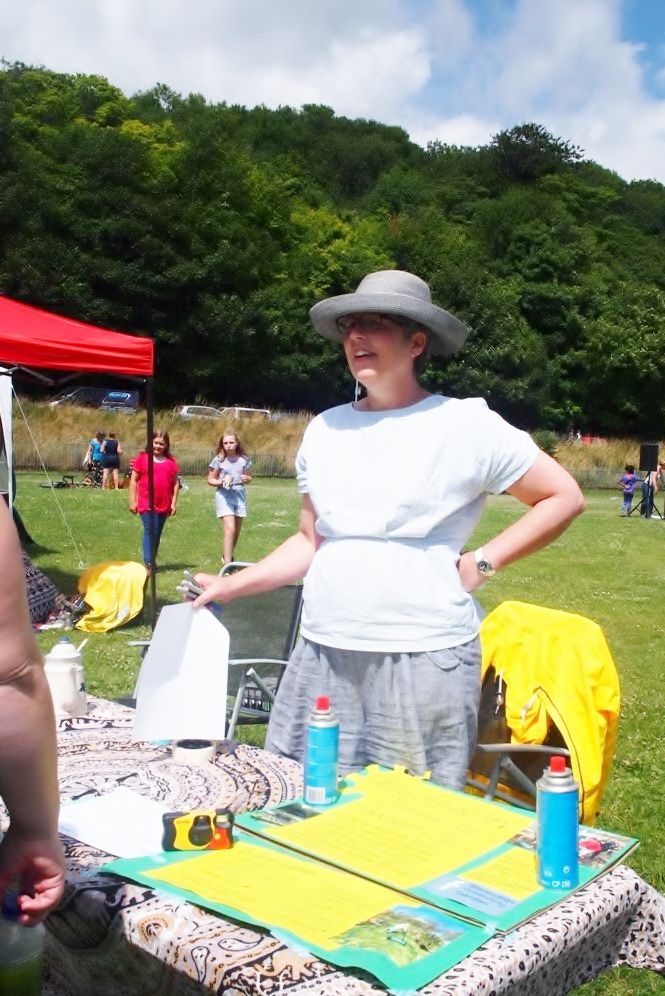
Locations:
392 292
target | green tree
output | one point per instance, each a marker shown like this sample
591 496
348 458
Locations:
528 151
624 360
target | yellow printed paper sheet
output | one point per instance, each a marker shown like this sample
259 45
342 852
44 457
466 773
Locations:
512 873
314 901
402 830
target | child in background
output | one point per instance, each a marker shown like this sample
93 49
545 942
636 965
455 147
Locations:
167 486
627 482
228 473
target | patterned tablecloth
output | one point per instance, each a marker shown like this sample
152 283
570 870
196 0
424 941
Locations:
116 938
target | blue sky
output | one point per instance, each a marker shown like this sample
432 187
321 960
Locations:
590 71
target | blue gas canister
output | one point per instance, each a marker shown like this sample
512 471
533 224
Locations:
557 808
321 754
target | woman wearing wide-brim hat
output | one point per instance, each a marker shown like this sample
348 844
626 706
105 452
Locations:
392 488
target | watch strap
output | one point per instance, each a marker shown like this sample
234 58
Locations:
482 563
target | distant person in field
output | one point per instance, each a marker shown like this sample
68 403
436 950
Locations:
390 626
92 461
651 485
167 486
111 450
627 482
228 473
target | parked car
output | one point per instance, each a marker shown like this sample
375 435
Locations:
105 398
236 411
199 411
231 411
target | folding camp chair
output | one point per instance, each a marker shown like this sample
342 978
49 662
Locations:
549 686
263 630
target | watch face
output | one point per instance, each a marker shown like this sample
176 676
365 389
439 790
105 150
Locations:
486 568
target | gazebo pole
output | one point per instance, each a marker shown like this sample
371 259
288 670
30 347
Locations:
151 499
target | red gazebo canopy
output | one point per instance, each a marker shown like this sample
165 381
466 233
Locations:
30 337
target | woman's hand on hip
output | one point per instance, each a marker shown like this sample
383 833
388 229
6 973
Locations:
470 576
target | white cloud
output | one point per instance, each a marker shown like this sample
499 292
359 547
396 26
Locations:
450 28
369 75
462 129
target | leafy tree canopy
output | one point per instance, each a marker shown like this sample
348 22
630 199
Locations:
214 228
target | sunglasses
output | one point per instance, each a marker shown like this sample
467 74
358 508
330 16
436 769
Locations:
366 323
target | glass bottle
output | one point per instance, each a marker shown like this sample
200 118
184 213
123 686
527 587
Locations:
21 953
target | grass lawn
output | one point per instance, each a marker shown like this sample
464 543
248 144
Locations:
609 568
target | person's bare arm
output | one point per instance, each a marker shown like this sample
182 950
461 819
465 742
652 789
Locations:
554 499
213 478
289 562
174 496
30 851
133 493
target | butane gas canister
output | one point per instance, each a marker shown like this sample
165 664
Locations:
321 754
557 809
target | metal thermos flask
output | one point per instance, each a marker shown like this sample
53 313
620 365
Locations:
557 809
321 754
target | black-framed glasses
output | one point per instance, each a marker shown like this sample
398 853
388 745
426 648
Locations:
367 323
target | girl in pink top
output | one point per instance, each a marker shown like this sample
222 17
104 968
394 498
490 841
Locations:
166 488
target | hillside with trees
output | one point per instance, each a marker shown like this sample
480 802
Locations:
214 228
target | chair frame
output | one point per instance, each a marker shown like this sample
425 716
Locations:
503 763
244 714
504 776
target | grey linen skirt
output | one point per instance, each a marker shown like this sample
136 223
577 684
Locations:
418 710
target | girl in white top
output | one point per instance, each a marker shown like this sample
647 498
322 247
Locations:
389 626
228 473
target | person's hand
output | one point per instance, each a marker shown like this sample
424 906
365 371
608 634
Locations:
39 867
134 508
470 576
172 509
244 478
214 589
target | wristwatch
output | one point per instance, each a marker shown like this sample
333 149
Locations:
482 564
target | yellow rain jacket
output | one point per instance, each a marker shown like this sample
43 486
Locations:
558 669
114 592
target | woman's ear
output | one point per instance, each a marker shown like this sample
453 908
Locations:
418 343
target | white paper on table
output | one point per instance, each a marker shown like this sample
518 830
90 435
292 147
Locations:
122 823
181 691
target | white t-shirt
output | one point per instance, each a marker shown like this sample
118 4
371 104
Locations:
397 494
